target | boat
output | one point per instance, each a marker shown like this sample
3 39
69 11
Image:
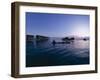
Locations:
61 43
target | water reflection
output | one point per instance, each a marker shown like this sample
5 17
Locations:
48 53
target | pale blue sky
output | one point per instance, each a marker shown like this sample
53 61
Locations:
57 25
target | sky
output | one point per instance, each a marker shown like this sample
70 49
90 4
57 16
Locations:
57 25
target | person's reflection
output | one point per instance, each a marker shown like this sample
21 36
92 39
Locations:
53 42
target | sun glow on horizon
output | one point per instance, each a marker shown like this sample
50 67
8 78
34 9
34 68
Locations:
80 31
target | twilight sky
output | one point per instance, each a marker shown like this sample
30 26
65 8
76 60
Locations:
57 25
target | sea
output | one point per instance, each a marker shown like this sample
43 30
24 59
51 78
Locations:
47 54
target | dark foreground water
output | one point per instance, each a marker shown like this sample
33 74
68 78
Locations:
47 54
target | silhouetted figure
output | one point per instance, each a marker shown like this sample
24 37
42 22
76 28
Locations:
53 42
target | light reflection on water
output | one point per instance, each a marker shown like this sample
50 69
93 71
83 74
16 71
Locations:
47 54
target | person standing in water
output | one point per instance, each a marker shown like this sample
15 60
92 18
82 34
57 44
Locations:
53 42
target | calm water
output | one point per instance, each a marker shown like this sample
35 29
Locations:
47 54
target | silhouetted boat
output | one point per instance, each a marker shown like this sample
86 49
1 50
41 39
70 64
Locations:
67 39
62 43
85 39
